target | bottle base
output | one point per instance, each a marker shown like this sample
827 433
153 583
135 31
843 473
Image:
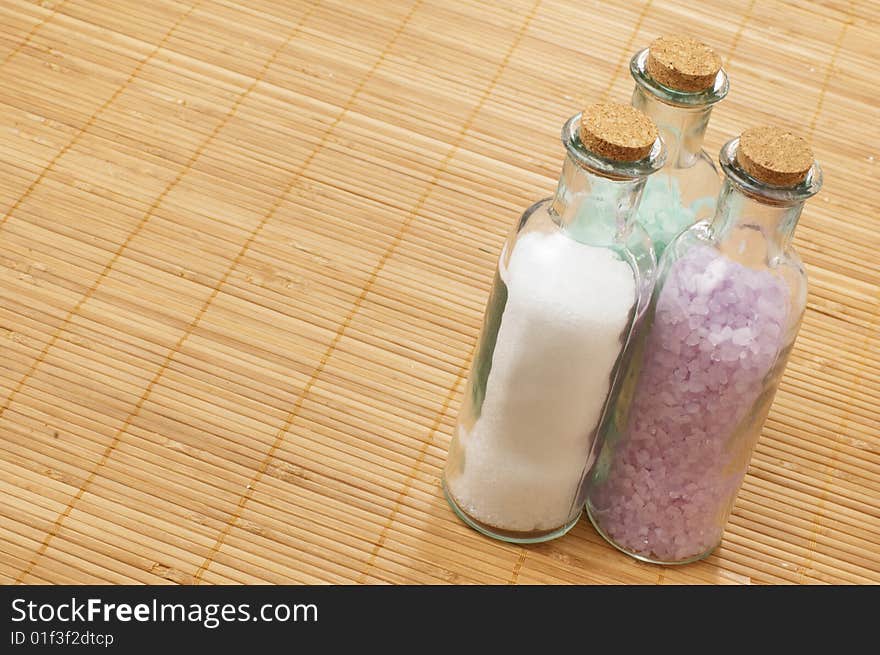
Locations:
645 558
501 534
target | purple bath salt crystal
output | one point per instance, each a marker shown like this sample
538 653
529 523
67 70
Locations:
675 469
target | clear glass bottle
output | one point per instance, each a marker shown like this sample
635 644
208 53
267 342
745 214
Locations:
685 191
705 365
574 275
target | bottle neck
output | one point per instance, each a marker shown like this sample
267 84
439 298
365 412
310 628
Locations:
682 128
750 228
592 208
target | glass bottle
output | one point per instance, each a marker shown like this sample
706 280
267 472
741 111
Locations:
572 278
678 81
706 363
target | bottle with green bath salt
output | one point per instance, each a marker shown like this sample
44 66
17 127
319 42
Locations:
678 81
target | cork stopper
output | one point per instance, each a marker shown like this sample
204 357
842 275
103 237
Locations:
774 156
617 132
682 63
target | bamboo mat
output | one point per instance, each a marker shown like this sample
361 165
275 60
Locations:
245 249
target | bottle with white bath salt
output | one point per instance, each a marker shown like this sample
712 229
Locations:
705 366
678 82
572 279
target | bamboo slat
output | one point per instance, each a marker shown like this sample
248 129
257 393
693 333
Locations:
244 254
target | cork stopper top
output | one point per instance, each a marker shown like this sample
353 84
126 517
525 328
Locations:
617 132
774 156
682 63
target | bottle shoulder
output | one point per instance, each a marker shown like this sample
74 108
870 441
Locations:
540 217
701 233
543 234
539 210
700 179
699 244
675 198
705 160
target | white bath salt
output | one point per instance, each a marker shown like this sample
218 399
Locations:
562 329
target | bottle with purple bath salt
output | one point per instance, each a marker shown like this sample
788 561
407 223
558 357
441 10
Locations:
705 366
